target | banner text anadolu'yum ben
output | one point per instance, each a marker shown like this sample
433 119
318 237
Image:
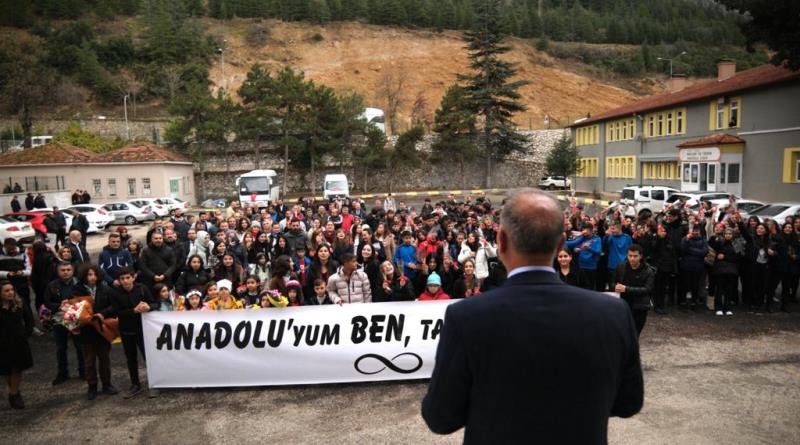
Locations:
300 345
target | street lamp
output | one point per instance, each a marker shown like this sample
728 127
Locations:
670 62
127 128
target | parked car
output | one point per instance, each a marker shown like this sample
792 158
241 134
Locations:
35 219
555 182
21 231
158 208
777 211
99 218
693 199
743 206
645 198
172 204
127 212
38 216
218 203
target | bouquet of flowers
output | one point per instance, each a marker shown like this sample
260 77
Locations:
72 313
46 318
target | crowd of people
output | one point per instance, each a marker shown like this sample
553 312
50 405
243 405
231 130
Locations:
344 252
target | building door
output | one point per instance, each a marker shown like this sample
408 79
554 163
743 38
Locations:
703 176
174 187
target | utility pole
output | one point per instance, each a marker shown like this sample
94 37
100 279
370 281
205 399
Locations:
670 62
127 128
221 51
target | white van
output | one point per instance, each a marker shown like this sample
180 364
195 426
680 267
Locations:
257 188
335 186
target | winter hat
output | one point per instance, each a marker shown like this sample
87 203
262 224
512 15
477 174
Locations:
226 284
434 280
294 284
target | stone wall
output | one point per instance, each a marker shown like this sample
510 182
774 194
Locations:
224 164
140 129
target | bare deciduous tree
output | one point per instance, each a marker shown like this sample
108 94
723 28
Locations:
173 80
420 115
391 92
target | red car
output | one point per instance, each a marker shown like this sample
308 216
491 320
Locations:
36 219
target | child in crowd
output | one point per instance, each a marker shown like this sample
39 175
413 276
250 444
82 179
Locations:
294 293
433 289
250 294
272 298
165 298
225 299
320 294
193 301
261 268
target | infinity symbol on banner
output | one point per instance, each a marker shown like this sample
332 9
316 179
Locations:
388 363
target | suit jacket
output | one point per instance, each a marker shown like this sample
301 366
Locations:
535 361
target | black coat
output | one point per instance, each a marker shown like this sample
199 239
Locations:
16 327
661 252
512 365
639 284
190 279
122 304
79 254
729 265
397 292
157 261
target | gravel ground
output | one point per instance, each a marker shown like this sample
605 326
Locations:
708 380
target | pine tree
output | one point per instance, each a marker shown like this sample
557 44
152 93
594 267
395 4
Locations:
454 124
491 93
563 158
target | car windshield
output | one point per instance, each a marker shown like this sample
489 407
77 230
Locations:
7 220
258 185
770 210
336 186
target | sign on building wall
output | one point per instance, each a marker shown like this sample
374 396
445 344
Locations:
705 154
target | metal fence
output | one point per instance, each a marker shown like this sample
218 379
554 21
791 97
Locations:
20 184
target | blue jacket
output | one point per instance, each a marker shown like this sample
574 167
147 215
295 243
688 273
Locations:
408 255
694 254
587 258
617 249
112 260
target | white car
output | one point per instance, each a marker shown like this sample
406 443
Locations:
777 211
159 209
743 206
22 232
646 198
555 182
693 199
172 204
98 217
126 212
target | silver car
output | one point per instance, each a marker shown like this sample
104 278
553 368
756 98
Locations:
128 212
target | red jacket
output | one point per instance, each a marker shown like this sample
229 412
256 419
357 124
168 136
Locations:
439 295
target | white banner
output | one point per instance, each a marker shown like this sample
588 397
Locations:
297 345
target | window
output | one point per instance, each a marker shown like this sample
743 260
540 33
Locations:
722 170
725 113
112 187
587 135
791 164
131 186
694 174
621 130
734 112
665 170
657 195
146 186
622 167
97 185
588 167
666 123
733 173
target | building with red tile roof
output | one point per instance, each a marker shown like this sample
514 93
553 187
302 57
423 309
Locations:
738 133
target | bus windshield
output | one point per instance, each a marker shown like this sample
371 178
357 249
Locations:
258 185
336 186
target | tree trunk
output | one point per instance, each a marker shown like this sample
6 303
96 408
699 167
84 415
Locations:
463 176
313 176
26 122
258 155
366 176
202 161
285 163
488 179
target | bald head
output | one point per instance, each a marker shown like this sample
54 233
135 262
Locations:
532 222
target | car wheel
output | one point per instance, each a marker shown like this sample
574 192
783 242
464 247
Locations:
130 220
551 187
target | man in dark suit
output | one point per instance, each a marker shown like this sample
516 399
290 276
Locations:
535 360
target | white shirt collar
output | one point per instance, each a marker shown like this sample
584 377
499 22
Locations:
523 269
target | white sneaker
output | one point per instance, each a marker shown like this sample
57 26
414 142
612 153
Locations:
729 313
37 332
720 313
